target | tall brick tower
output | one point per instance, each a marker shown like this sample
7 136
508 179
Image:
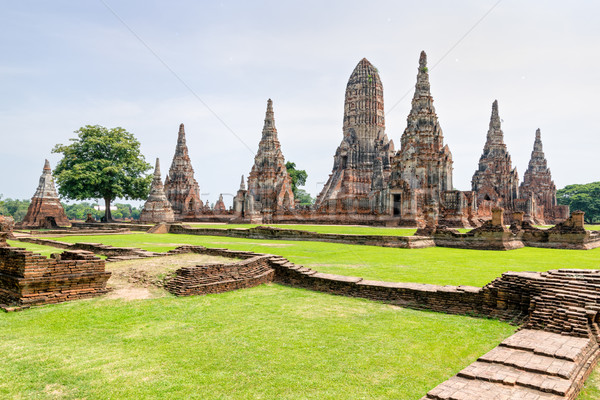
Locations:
269 184
496 180
422 168
180 187
537 181
364 140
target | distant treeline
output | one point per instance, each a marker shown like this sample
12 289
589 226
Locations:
18 208
584 198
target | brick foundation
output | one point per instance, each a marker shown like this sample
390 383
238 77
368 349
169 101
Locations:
29 279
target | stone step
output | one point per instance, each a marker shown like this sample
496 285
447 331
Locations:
457 388
548 344
510 376
531 362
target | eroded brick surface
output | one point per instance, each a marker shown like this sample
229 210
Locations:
45 210
181 188
157 208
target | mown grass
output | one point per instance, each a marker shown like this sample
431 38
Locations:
269 342
36 248
591 389
436 265
340 229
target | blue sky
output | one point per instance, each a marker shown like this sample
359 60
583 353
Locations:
66 64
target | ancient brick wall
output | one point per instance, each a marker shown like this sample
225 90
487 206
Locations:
292 234
218 278
28 279
114 253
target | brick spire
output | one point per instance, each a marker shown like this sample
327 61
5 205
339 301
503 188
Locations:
269 182
180 187
423 162
496 179
46 188
45 209
537 180
269 126
157 208
495 136
364 140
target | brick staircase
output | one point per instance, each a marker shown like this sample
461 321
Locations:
554 352
531 364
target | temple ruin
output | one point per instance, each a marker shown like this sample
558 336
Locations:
422 169
269 184
157 208
496 182
538 189
45 210
220 205
365 148
370 182
180 186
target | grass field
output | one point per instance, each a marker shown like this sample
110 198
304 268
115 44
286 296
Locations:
432 265
269 342
351 229
591 389
36 248
340 229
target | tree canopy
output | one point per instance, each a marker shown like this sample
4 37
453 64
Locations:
584 197
102 163
15 208
298 176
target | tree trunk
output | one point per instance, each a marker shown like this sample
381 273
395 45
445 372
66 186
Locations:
107 213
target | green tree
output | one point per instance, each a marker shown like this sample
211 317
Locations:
298 177
15 208
584 197
79 211
304 198
102 163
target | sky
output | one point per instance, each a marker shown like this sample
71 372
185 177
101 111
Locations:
148 66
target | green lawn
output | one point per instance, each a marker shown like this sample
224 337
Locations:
432 265
340 229
591 389
268 342
36 248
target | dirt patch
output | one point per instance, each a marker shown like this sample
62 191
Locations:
132 293
145 278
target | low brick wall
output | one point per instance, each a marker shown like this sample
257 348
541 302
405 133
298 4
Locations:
97 248
478 240
407 242
506 298
115 226
28 279
448 299
218 278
